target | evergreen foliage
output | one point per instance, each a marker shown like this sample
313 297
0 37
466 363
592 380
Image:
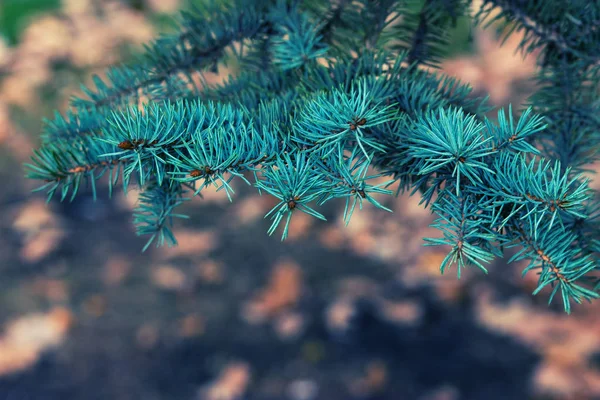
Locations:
329 89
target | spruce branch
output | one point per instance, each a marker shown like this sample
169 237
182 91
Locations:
568 38
295 184
560 263
154 214
65 164
350 181
321 100
297 41
73 125
465 230
450 141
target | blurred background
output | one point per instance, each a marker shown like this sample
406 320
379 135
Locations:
332 313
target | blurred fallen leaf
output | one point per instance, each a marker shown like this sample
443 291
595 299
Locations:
36 249
564 341
373 382
27 337
189 243
116 270
282 291
34 216
191 325
405 312
331 237
248 209
52 289
299 226
211 271
338 316
41 229
231 383
168 277
289 325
